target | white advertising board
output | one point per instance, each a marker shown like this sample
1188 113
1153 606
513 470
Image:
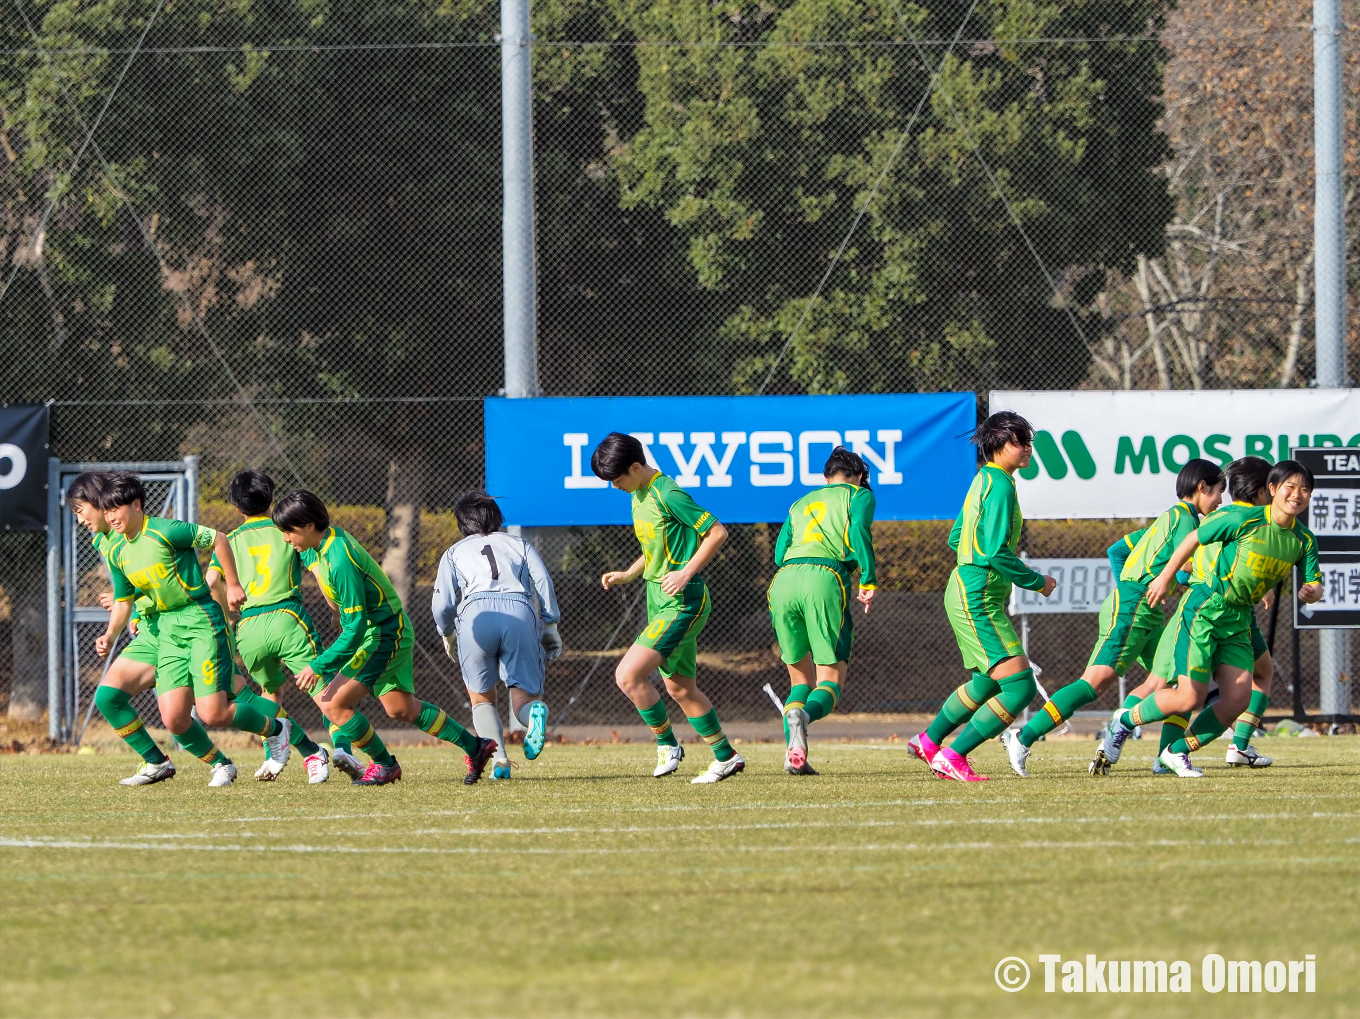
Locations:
1115 454
1082 585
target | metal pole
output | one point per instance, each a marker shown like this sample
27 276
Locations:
191 489
53 598
1329 243
517 225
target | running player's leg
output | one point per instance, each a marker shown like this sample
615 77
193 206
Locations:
1234 687
175 701
1263 671
132 672
631 676
350 728
480 643
523 667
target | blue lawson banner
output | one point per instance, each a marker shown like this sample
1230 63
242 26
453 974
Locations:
744 458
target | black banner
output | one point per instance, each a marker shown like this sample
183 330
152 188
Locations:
23 467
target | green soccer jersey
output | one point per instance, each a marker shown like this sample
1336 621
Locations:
987 532
160 561
669 525
1257 553
1203 562
834 522
1158 542
104 543
267 565
359 588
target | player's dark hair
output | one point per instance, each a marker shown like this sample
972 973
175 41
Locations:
122 489
251 492
298 509
1000 428
477 513
1197 472
88 487
615 454
847 464
1286 469
1246 477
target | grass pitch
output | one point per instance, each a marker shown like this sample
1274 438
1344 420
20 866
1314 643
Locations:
584 886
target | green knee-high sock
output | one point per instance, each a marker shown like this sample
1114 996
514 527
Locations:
1203 730
297 735
1064 704
196 740
266 707
1173 728
1130 699
797 698
822 701
249 718
437 722
710 729
1250 720
1016 692
961 704
658 720
1145 712
357 732
116 707
341 743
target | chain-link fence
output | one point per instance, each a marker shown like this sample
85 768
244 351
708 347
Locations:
269 235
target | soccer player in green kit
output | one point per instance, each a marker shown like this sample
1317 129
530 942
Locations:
275 629
678 538
134 670
985 537
1261 545
373 653
828 533
1247 483
1129 627
157 558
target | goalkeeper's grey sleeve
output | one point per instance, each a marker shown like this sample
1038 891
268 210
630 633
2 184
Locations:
543 585
444 601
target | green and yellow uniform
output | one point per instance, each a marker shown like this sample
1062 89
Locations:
985 537
376 643
1256 554
160 562
827 534
142 648
1130 628
670 526
275 628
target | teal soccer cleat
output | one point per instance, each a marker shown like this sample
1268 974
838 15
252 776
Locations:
538 731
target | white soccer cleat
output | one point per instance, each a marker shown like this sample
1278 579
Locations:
796 755
318 766
264 773
223 773
149 773
1016 751
279 749
1113 743
719 770
1179 764
1248 758
348 763
668 758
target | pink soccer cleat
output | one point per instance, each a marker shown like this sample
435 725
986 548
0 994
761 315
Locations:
948 764
377 774
923 748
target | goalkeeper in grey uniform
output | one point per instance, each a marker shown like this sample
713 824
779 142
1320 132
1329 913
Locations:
494 597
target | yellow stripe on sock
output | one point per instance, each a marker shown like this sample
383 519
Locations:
1136 714
1192 742
438 723
1253 720
716 738
280 713
365 739
1000 711
835 697
209 757
968 702
661 730
1053 712
128 729
1178 721
794 704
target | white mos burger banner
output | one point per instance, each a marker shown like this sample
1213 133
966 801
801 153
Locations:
1115 454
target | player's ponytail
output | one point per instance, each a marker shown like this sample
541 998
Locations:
846 464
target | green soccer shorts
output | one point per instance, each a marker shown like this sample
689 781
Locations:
194 650
810 608
267 641
674 623
975 602
142 648
1220 635
384 662
1129 629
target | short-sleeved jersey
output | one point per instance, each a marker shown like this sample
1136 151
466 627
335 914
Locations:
360 590
1158 542
833 522
1202 563
496 563
669 525
987 531
104 543
1257 552
267 565
161 562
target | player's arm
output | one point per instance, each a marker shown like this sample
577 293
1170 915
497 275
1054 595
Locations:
124 594
226 561
782 543
1310 590
549 612
1119 552
627 576
688 512
347 583
859 540
1165 580
956 532
444 604
994 527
